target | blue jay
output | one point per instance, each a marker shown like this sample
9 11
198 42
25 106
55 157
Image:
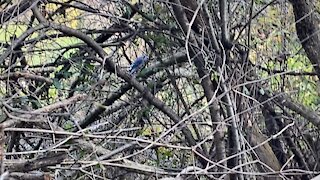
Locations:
138 64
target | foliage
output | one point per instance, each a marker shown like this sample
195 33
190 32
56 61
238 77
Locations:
229 90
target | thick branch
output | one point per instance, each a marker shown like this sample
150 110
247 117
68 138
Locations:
300 109
111 66
205 76
26 76
14 11
30 165
308 30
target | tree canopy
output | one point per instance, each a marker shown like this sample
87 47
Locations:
230 91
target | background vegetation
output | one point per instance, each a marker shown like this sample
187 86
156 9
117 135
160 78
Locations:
231 90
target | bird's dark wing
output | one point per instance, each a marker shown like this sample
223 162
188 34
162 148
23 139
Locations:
135 65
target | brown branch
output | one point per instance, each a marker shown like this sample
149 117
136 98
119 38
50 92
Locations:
16 75
30 175
300 109
29 165
290 73
205 76
112 67
18 41
176 58
62 104
30 114
14 11
308 30
95 115
2 149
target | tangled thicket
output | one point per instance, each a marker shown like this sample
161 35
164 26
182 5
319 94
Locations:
231 90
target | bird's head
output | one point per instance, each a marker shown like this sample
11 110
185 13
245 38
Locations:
145 58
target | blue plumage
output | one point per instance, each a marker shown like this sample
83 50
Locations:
138 64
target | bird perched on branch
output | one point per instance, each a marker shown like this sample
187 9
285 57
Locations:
138 64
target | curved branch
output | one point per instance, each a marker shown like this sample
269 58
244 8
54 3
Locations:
112 67
308 30
14 11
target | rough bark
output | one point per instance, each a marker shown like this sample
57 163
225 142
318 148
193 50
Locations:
264 152
308 30
206 82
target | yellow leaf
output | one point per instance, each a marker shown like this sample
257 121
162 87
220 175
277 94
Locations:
134 1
